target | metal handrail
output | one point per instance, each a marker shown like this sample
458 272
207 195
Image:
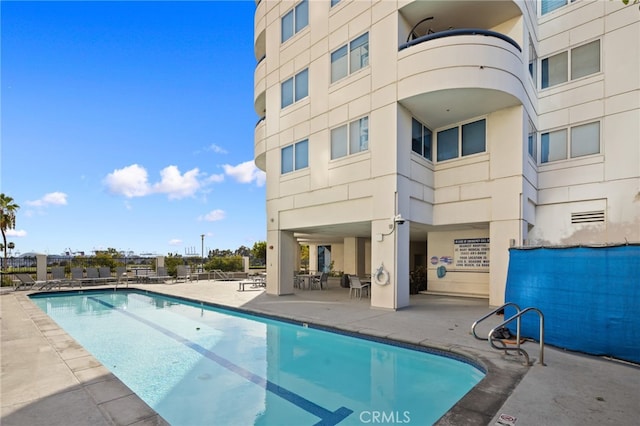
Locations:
517 348
473 326
459 32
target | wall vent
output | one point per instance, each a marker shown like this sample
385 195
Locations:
587 217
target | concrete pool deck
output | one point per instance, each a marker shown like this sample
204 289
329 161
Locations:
48 379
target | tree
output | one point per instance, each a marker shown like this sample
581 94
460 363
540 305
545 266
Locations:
8 209
259 252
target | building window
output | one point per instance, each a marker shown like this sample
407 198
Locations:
350 58
585 60
551 5
334 2
474 137
533 62
420 139
554 70
295 20
350 139
584 140
532 143
295 88
294 157
470 138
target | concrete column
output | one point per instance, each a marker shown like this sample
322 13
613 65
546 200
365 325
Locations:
313 257
41 267
350 255
281 262
390 252
160 262
245 264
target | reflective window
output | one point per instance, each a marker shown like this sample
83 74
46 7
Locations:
466 139
294 157
294 21
295 88
350 139
584 60
357 58
420 139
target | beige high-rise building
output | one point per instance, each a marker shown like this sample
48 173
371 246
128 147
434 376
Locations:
405 134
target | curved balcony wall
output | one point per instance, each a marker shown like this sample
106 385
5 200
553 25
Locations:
260 145
260 87
260 46
260 29
460 74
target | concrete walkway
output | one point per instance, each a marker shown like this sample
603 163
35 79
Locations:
48 379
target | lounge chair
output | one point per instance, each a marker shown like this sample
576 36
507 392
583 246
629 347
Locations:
93 276
121 275
27 282
357 287
105 274
59 278
77 276
160 275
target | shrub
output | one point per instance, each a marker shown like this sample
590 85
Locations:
418 280
225 264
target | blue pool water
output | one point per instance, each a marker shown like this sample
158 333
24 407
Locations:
202 365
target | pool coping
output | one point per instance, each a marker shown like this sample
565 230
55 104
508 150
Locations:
478 406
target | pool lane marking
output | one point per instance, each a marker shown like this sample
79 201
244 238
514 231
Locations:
327 417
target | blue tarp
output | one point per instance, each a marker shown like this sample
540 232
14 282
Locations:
590 297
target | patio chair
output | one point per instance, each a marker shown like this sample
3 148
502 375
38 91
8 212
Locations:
27 282
319 280
357 287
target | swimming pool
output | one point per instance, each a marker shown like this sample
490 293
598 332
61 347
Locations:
197 364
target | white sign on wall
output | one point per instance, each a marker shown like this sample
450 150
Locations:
471 253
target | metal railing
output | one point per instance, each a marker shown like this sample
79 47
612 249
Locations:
459 32
518 340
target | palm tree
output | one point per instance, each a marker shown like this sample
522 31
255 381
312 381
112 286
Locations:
8 210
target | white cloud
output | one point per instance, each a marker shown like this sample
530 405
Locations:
217 149
175 185
246 172
16 233
130 181
175 242
214 179
50 199
213 216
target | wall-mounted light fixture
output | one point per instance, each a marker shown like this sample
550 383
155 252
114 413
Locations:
396 220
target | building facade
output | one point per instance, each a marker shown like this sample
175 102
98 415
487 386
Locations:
438 134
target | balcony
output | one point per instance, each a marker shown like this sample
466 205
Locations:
260 145
451 75
260 87
260 29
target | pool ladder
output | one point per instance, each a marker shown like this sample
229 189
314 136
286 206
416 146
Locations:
518 315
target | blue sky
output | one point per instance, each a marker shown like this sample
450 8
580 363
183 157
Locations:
130 125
